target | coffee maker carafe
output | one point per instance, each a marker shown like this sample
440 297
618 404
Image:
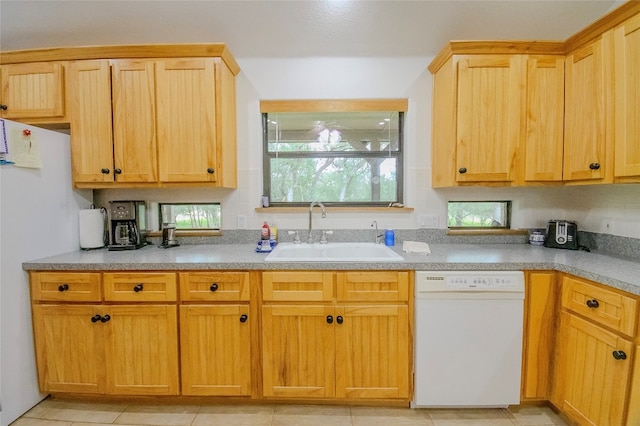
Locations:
126 225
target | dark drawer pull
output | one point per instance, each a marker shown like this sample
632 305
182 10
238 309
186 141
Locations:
117 171
210 170
96 318
138 288
462 170
339 319
329 319
3 107
63 287
593 303
105 318
594 166
620 355
243 318
213 287
105 171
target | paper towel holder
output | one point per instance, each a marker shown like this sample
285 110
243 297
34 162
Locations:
92 228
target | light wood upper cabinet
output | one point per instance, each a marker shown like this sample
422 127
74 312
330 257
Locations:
627 98
488 117
33 91
544 119
134 121
186 120
498 119
91 127
587 132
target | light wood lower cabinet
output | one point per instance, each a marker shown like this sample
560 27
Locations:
125 350
594 353
329 349
215 347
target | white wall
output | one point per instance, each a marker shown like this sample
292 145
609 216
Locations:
328 78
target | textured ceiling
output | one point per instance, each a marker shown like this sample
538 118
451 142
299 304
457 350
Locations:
293 28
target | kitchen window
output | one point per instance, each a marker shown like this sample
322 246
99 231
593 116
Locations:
191 216
479 215
342 153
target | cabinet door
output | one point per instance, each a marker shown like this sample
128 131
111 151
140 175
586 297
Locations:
34 90
585 132
373 352
544 118
627 98
633 417
588 372
488 121
141 346
134 121
90 116
69 348
215 350
540 314
186 120
298 351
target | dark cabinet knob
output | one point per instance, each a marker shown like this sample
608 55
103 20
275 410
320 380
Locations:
117 171
462 170
105 171
329 319
243 318
63 287
593 303
339 319
620 355
210 170
105 318
3 107
138 288
213 287
96 318
594 166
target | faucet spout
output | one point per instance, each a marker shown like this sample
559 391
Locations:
324 214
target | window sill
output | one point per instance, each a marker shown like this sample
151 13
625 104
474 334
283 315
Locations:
487 232
335 209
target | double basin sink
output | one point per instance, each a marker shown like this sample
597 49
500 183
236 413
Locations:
333 252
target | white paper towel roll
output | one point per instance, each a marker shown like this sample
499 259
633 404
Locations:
91 229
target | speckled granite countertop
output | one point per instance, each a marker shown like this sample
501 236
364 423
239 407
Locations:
615 272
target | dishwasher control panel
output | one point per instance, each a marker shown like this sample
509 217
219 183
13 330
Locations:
488 281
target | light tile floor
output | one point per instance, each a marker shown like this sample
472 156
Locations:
62 413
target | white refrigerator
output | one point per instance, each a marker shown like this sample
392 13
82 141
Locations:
38 218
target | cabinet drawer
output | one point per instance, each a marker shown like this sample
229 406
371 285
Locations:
65 286
607 307
373 286
214 286
299 286
137 287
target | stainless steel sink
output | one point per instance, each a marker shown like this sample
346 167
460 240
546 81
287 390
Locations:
333 252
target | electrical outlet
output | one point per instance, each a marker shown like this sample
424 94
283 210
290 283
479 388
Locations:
242 221
428 221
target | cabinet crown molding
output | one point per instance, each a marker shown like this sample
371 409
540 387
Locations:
122 52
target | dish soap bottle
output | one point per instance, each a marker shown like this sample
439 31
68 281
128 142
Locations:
265 244
389 237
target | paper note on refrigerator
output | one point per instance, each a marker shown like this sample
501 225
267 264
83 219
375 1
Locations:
25 149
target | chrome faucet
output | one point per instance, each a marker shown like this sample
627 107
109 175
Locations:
324 214
377 238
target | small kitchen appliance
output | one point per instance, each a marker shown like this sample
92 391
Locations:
562 234
126 225
169 235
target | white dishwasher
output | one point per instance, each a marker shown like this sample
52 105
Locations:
468 339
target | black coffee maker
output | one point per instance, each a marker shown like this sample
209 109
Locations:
126 225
